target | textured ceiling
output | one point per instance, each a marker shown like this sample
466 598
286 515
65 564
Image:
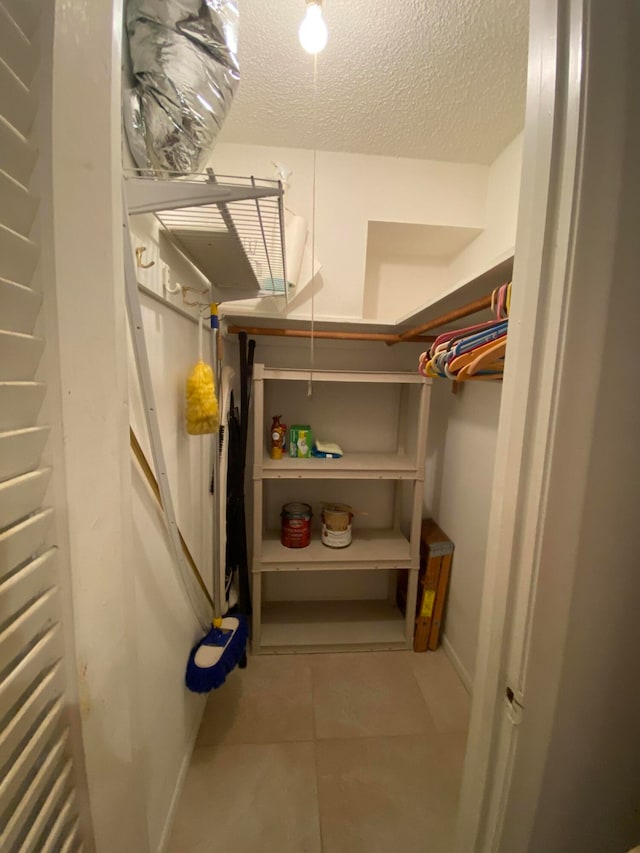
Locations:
433 79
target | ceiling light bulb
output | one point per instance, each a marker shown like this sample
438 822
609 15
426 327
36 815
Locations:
313 30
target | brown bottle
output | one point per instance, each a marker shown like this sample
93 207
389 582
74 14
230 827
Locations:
277 438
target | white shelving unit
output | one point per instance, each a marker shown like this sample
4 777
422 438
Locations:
297 626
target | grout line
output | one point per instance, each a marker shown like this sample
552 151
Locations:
378 737
422 696
315 753
424 734
255 743
315 761
178 791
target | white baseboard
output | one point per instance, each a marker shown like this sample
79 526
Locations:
456 663
177 791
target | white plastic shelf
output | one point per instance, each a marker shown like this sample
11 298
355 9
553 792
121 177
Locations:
363 624
360 466
357 378
307 626
369 549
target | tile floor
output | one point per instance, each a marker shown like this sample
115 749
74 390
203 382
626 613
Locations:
339 753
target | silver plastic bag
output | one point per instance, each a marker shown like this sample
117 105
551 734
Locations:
184 73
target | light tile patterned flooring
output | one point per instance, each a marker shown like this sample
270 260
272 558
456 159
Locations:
339 753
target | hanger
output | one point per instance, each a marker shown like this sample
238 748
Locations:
469 357
491 376
475 352
498 330
446 337
487 359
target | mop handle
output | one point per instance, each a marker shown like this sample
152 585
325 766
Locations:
215 452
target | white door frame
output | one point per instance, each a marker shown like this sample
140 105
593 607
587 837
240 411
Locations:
556 344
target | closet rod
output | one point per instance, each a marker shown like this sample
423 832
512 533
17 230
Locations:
471 308
331 336
411 336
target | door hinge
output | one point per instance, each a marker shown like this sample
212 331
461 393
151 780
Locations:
514 707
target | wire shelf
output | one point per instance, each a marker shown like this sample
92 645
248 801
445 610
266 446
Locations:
231 228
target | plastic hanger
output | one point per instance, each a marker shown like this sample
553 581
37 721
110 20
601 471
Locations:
462 360
488 358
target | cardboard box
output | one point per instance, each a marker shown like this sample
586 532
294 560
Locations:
300 441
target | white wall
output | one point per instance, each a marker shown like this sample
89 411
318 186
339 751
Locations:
459 480
354 189
166 627
133 629
462 445
500 217
93 381
396 286
492 246
351 190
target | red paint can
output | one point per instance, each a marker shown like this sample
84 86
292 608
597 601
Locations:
296 525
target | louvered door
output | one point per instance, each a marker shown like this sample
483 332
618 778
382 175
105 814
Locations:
37 807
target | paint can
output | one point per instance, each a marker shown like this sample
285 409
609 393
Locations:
336 525
295 531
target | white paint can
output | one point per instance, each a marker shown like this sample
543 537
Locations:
336 525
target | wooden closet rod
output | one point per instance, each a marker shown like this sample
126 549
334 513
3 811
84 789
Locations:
331 336
411 336
450 317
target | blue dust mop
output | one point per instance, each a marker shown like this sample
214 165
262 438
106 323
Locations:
213 658
224 646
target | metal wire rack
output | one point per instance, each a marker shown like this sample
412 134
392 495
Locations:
230 228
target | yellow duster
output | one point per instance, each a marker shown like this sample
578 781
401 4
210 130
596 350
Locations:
202 404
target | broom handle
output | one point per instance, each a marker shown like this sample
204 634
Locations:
138 452
215 449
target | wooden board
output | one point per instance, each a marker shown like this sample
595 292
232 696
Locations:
440 599
436 555
426 599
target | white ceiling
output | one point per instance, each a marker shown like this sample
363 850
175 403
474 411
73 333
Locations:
432 79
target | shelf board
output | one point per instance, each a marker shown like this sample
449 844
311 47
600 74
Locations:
499 271
331 625
369 549
360 466
147 194
494 273
356 377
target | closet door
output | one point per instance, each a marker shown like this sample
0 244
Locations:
37 797
545 437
